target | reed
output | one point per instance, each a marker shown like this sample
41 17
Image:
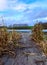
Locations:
39 37
8 42
43 47
37 34
15 37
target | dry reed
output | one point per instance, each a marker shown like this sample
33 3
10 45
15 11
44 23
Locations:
8 42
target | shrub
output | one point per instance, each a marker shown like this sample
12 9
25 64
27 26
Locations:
15 37
43 47
7 45
37 34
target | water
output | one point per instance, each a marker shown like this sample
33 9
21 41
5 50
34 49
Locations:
21 30
45 30
25 30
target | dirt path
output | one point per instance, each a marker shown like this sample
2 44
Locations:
22 58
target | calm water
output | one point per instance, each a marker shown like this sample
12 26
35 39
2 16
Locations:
21 30
45 30
25 30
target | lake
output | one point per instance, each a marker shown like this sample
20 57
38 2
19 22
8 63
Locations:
45 30
25 30
21 30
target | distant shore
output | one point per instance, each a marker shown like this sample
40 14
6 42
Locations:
20 27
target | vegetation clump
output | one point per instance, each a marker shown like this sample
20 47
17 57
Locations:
38 37
43 47
37 34
15 37
8 42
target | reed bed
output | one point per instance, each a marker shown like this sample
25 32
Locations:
39 37
37 34
43 47
8 42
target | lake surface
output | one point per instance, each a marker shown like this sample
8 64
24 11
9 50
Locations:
25 30
45 30
21 30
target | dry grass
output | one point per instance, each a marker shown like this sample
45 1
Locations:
43 46
15 37
37 34
39 38
8 42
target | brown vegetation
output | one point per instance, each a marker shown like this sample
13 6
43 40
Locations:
37 34
44 25
38 37
8 42
43 47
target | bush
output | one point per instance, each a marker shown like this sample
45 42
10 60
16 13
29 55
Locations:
7 45
37 34
38 37
43 47
15 37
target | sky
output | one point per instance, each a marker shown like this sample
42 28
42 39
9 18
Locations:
23 11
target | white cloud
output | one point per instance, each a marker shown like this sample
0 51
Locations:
20 7
6 4
3 5
41 19
12 18
29 11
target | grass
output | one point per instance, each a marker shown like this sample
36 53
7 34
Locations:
45 37
37 34
8 41
40 38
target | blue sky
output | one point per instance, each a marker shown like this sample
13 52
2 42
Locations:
23 11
